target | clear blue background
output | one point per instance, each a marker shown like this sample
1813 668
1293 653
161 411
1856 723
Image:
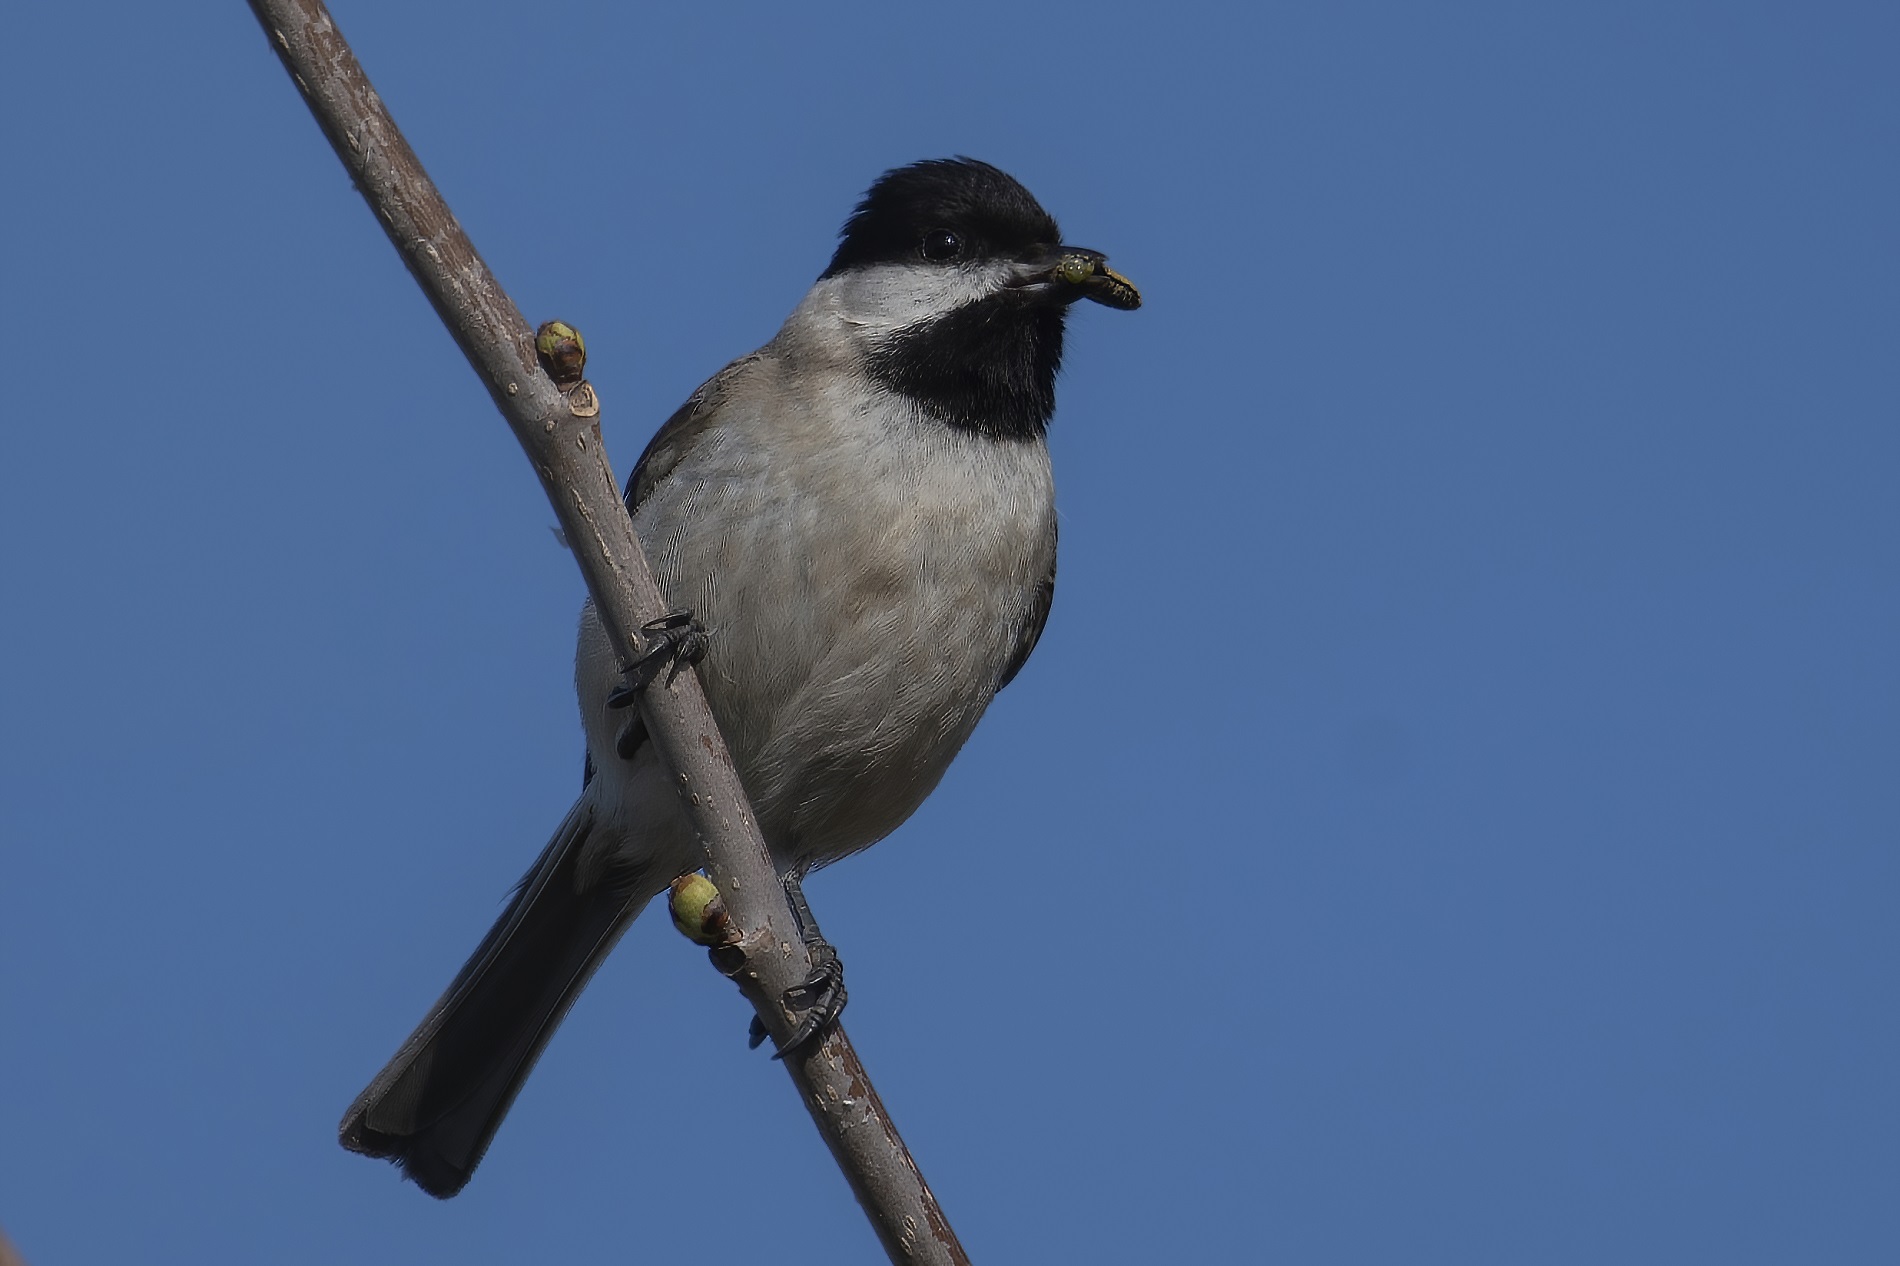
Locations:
1452 816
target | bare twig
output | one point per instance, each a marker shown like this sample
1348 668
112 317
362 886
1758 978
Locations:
561 434
9 1256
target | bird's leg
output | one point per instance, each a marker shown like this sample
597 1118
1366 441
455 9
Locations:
673 641
822 995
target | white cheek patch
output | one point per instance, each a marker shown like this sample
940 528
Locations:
890 297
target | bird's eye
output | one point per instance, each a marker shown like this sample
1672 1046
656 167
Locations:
941 244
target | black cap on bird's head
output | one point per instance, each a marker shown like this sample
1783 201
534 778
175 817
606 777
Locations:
987 211
952 211
964 281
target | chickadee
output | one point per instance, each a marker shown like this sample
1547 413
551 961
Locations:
860 518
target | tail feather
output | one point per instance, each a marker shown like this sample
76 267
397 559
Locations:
436 1105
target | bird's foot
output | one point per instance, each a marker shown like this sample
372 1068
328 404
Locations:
821 997
673 642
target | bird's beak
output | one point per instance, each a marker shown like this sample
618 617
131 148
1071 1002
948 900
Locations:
1068 273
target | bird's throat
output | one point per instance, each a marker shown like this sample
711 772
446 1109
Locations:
989 367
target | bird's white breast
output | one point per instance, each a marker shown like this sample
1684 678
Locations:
864 573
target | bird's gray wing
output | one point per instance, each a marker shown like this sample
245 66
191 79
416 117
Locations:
677 435
1031 631
669 447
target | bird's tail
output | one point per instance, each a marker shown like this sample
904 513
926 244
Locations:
436 1105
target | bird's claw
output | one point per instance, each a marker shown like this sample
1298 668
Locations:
821 997
673 642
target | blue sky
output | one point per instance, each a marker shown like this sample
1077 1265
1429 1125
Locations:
1452 816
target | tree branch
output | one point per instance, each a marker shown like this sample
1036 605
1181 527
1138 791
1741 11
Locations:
559 430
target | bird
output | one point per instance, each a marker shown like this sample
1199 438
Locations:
856 527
